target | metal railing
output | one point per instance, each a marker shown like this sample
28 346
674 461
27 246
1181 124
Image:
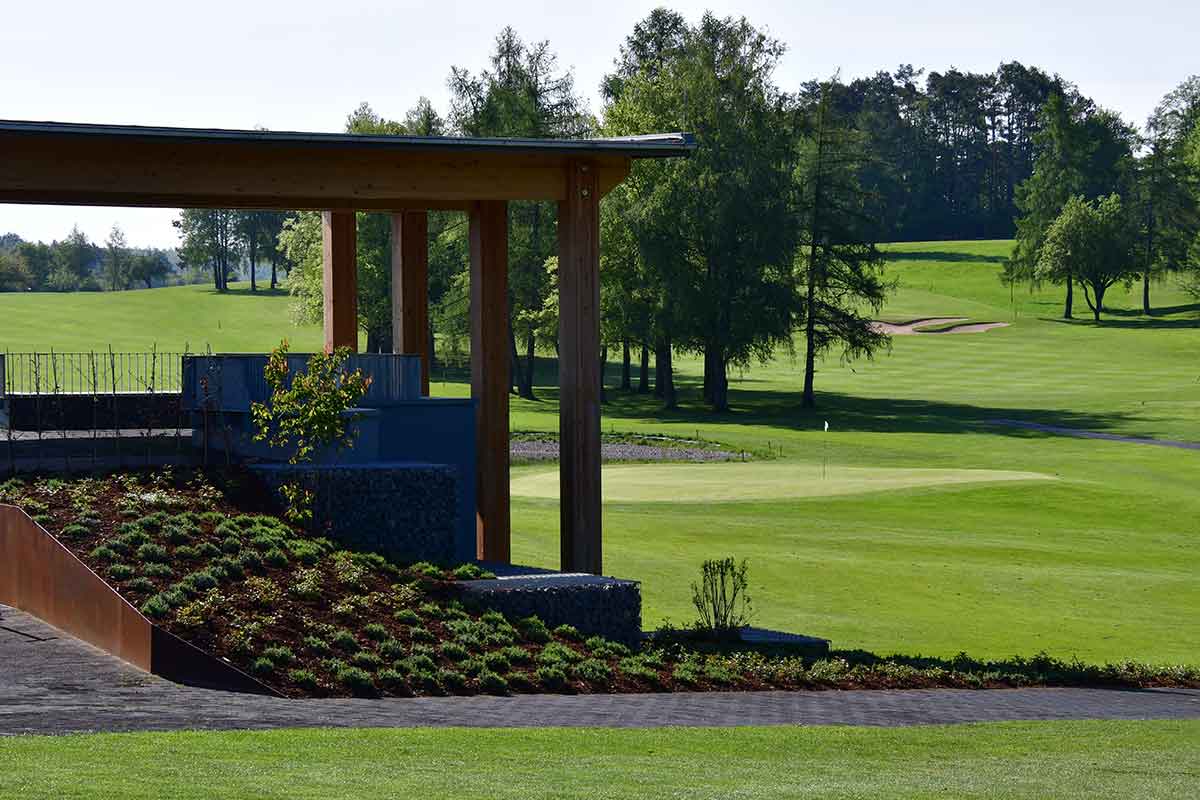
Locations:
104 372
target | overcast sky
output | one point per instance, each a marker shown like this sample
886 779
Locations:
303 65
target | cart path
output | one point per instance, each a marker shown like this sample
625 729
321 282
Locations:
54 684
1110 437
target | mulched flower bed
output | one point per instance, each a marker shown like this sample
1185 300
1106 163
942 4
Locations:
534 446
199 554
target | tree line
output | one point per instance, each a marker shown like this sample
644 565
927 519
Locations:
76 264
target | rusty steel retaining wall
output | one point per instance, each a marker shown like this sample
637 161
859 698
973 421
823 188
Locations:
40 576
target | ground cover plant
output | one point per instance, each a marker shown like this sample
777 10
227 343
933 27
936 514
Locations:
999 760
196 555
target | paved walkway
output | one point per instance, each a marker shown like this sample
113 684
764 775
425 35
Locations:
51 683
1081 434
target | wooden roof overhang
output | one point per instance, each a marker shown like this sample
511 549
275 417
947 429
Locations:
111 165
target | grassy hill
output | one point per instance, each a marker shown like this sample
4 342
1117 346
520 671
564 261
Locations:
915 524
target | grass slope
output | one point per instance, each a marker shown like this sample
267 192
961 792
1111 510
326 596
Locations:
1010 760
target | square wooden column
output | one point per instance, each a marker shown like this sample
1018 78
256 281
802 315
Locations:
410 288
340 279
579 371
490 375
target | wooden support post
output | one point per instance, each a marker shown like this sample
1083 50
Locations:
340 279
490 371
410 288
579 370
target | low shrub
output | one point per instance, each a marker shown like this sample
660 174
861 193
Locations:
594 671
157 569
263 592
568 632
120 572
519 681
250 560
231 567
74 531
208 550
186 553
471 666
551 678
555 653
375 632
303 678
316 644
280 654
454 651
392 649
135 538
634 667
432 610
517 655
231 545
452 680
603 648
140 585
421 634
275 558
366 659
178 534
104 553
201 581
425 569
175 596
471 572
496 662
415 664
492 683
156 607
532 629
306 551
357 680
394 681
407 616
152 553
345 641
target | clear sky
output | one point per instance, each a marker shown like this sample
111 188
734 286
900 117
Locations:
303 65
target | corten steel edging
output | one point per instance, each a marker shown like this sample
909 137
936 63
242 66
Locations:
40 576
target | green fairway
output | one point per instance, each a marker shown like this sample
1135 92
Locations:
918 539
1011 760
173 318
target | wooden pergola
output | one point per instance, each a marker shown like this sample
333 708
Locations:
339 174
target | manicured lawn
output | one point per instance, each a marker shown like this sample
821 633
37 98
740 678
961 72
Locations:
195 317
1011 760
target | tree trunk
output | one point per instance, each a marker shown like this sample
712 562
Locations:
603 369
530 361
708 373
666 378
719 388
626 376
514 384
1099 289
274 272
253 263
644 374
1146 294
809 400
659 380
1070 302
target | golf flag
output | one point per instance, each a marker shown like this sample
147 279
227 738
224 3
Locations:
827 426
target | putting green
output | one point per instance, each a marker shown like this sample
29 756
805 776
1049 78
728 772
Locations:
731 482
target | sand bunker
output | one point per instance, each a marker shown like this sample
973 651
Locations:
913 328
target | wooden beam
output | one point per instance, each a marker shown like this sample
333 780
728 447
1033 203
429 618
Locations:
579 370
339 272
220 174
410 288
490 376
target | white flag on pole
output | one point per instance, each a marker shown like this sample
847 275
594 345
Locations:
827 426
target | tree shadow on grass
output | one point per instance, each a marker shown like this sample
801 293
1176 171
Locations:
1122 319
944 255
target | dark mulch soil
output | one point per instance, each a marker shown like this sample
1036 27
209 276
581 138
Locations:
204 557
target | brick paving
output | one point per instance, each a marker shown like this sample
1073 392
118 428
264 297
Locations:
51 683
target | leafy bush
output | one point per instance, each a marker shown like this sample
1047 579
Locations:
454 651
568 632
231 545
421 634
276 558
519 681
303 678
532 629
345 641
178 534
470 572
307 585
417 664
230 566
392 649
720 598
175 596
120 572
156 607
152 553
74 531
603 648
156 569
375 632
208 550
263 592
228 530
134 539
555 653
306 551
357 681
250 560
634 667
552 678
492 683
